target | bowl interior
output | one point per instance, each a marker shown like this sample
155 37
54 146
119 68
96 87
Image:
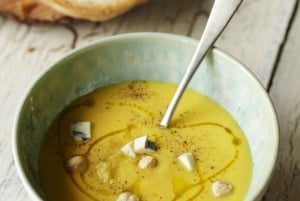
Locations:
146 56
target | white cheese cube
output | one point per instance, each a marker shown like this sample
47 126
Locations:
187 159
220 188
140 145
81 130
127 149
147 162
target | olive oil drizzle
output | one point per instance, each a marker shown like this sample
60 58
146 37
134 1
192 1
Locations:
86 103
90 103
184 191
203 181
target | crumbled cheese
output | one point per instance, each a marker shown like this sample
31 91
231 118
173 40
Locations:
127 196
127 149
142 145
77 164
187 159
103 171
81 130
220 188
147 162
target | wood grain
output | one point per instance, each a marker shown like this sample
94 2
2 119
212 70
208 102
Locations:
285 92
255 36
256 33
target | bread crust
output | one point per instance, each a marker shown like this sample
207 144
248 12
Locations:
30 11
93 10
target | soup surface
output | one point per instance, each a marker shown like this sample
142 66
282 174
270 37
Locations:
121 113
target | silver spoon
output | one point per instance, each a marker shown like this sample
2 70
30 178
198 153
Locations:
220 15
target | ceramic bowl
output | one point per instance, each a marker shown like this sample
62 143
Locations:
146 56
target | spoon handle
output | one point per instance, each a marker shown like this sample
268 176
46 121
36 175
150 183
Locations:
220 15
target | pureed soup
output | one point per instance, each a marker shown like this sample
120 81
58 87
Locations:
108 146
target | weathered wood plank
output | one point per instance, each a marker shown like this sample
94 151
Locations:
285 92
255 34
25 52
168 16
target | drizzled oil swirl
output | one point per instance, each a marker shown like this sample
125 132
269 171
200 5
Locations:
187 133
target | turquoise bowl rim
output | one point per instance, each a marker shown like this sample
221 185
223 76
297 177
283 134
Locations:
32 192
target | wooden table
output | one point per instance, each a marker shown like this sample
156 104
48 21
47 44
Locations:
263 35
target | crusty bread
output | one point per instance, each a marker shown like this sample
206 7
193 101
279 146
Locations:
30 11
94 10
64 10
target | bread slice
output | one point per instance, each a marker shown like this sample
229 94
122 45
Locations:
93 10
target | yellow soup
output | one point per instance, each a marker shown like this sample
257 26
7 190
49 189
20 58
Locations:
121 113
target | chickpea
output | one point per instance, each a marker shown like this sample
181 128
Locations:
77 164
147 162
